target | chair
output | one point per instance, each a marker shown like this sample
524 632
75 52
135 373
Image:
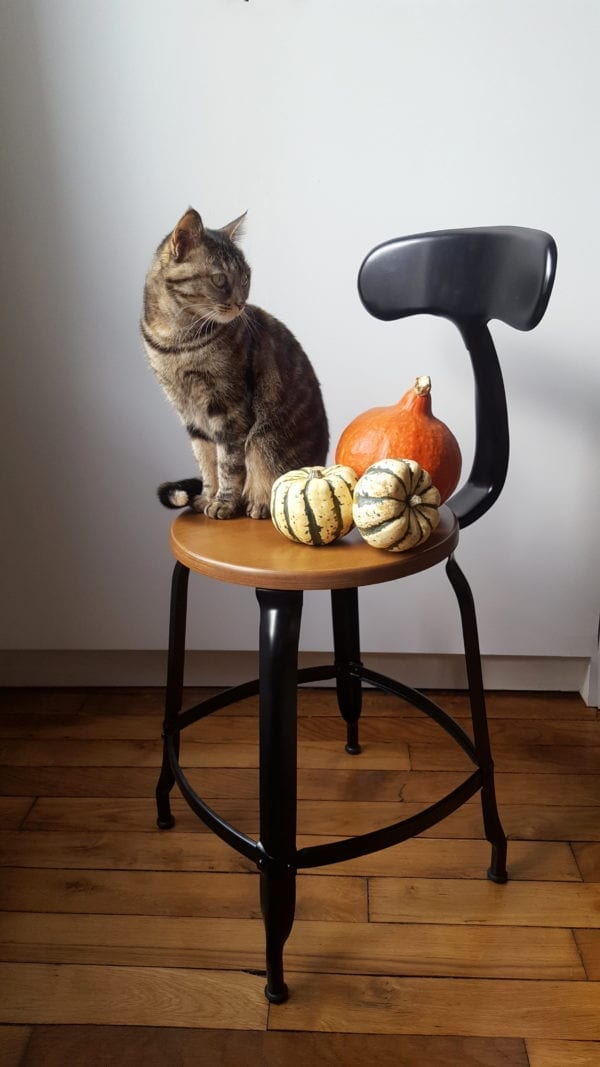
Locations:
469 277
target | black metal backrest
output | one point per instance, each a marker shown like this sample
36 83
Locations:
468 276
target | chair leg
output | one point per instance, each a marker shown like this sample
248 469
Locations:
346 643
174 691
280 613
491 820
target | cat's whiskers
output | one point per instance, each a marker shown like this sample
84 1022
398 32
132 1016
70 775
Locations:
250 325
203 325
198 325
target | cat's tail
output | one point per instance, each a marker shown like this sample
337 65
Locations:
179 494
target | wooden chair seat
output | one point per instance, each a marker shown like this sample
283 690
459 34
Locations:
249 552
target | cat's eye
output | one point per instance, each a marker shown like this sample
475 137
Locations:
219 280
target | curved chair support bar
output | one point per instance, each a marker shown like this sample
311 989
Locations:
210 704
363 844
347 848
236 693
320 674
223 829
334 851
419 700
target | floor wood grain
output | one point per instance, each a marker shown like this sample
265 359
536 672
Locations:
13 1043
13 810
329 946
174 893
183 850
54 1046
149 944
131 996
562 1053
548 1009
533 822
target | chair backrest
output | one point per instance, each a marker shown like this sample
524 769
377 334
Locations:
468 276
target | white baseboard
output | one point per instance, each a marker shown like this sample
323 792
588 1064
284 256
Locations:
590 690
100 668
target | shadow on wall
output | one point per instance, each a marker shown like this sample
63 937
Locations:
37 396
66 380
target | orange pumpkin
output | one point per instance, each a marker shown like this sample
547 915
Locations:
406 430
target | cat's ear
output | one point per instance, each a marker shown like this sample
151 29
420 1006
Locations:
235 230
188 233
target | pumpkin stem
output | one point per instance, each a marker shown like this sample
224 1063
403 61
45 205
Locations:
422 385
415 501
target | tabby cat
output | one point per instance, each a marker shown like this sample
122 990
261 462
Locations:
240 382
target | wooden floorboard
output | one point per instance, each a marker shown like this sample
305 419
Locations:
527 904
486 1008
504 733
589 947
534 822
55 1046
587 857
332 947
519 757
131 996
13 810
174 893
180 850
149 945
359 783
562 1053
13 1043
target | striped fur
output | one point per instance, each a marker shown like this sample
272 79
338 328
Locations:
240 382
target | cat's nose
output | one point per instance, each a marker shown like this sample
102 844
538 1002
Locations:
241 306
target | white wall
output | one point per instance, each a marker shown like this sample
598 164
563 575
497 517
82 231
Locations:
337 125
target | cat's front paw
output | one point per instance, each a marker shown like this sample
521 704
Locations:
200 503
221 509
257 511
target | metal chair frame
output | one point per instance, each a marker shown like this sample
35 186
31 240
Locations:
468 277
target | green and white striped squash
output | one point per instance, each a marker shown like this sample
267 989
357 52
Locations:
395 505
313 505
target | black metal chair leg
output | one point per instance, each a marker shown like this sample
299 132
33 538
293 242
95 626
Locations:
280 613
491 820
346 643
174 691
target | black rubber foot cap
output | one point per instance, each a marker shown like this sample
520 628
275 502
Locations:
353 750
277 998
499 879
166 824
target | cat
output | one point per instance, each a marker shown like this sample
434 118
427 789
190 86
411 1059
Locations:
241 383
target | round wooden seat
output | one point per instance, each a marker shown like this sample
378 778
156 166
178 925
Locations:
249 552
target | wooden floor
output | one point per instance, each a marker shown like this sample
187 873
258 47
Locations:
123 944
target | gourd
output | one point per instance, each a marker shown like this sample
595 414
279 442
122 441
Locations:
395 505
313 505
408 428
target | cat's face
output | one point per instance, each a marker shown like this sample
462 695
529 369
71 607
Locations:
204 273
